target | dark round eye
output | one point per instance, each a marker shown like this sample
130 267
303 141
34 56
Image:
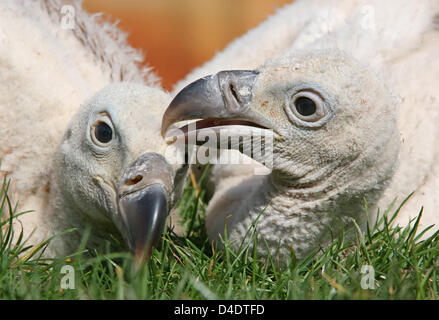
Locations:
305 106
103 132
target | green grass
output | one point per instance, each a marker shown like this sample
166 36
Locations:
191 268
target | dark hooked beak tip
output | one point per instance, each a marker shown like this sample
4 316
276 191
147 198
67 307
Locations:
225 95
144 213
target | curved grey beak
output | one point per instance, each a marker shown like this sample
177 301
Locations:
222 99
144 202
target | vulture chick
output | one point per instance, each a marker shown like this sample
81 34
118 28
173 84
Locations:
353 108
78 158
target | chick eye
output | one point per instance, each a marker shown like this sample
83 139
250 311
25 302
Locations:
307 106
103 133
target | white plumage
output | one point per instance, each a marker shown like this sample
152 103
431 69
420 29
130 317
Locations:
47 71
395 40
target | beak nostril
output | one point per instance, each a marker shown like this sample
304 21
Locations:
234 93
133 181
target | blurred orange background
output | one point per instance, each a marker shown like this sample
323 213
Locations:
178 35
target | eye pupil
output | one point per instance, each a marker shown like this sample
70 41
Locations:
305 106
103 132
